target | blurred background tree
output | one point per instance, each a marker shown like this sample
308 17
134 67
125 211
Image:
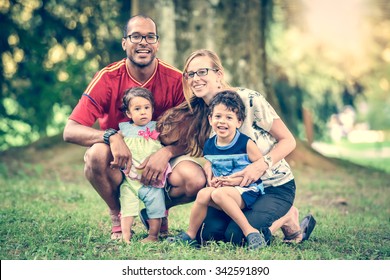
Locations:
310 57
49 50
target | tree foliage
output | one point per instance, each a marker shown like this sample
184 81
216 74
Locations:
319 68
49 50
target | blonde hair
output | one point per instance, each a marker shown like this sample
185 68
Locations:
216 64
189 120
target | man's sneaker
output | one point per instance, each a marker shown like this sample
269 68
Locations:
164 223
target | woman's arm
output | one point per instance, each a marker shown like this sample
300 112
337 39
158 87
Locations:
285 145
285 142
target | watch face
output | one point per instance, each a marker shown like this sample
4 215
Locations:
268 160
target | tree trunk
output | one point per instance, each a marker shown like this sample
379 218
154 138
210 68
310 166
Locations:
167 30
134 7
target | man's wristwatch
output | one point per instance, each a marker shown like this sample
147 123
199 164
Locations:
107 134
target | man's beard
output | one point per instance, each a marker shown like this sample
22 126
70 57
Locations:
141 65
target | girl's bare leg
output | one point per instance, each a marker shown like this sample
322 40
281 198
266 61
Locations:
126 223
154 229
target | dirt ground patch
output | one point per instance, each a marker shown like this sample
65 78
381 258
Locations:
53 157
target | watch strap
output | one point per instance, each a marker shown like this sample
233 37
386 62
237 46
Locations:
107 134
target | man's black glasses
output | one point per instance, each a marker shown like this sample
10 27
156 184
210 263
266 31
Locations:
137 38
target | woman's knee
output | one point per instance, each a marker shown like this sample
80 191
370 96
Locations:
214 226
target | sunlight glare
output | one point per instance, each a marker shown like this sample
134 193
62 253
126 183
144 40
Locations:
336 23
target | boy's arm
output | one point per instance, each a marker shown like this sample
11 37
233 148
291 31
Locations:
209 173
253 151
252 172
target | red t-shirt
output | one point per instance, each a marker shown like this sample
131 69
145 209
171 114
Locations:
103 97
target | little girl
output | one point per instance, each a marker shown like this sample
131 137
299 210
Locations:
142 139
227 152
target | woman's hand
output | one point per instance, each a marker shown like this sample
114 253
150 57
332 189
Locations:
251 173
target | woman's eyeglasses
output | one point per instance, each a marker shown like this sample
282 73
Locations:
201 72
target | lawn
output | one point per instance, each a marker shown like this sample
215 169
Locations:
50 212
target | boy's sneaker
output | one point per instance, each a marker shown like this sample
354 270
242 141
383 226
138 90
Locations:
183 237
256 240
164 223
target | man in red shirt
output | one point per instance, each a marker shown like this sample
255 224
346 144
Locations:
108 154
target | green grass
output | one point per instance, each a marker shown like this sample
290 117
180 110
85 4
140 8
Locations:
46 215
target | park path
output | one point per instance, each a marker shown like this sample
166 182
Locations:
343 152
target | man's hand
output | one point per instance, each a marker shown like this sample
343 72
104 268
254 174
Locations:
154 167
121 154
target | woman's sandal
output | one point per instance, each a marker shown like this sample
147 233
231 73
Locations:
255 240
307 226
292 237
